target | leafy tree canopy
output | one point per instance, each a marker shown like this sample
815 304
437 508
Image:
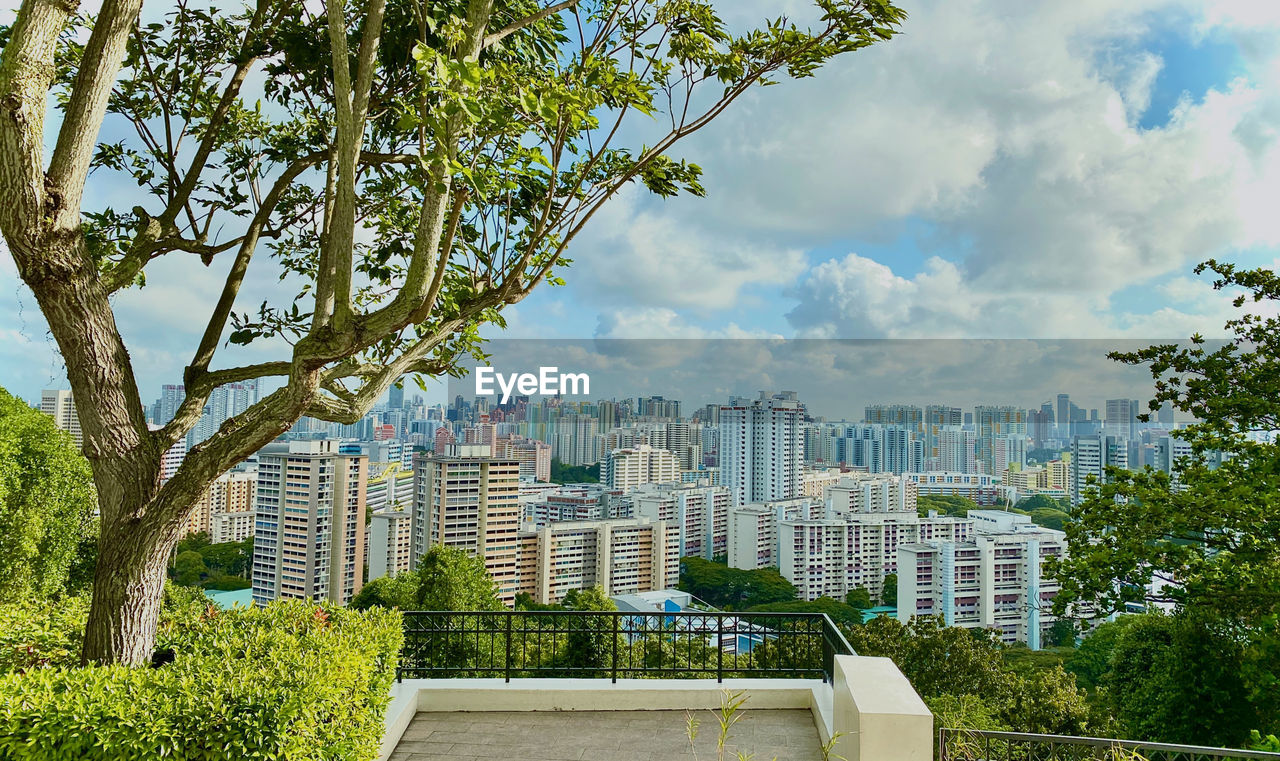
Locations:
46 503
839 612
733 588
574 474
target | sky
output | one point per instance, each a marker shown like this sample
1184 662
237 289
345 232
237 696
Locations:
1003 169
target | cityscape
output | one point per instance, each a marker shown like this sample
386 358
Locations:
639 380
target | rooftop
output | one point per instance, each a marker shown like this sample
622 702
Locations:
605 736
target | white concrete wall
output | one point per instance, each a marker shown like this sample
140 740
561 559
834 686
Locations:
883 717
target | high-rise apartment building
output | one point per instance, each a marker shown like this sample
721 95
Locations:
230 494
753 529
861 493
620 556
957 450
472 503
625 469
992 580
390 543
60 405
833 556
700 513
225 402
167 405
1091 456
761 447
309 535
992 422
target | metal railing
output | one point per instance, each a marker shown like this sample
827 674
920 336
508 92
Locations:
599 644
985 745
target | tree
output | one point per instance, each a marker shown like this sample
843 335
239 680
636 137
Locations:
859 598
189 569
736 588
46 504
1092 659
839 612
451 579
1210 532
399 591
890 594
412 167
1178 679
942 660
1207 530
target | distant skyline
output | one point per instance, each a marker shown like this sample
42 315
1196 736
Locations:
1061 183
835 379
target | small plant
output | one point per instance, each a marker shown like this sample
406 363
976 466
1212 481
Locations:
830 745
728 714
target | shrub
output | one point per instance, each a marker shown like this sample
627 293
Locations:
293 680
38 634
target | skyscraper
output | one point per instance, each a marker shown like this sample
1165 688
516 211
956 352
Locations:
1091 456
991 422
1122 417
761 447
395 397
309 533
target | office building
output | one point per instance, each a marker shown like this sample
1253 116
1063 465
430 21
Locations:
309 530
1091 456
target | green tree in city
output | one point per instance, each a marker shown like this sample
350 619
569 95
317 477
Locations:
1179 678
452 579
840 613
733 588
859 598
1208 530
412 167
46 504
399 591
890 594
189 568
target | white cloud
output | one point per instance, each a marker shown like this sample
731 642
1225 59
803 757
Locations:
660 322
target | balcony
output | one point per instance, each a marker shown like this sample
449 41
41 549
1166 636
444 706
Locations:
622 685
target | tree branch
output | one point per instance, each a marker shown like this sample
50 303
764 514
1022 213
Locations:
516 26
96 76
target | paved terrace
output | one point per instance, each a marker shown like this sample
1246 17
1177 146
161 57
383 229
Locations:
764 734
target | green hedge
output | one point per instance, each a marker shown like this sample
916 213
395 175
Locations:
293 681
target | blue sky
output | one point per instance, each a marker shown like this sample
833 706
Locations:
1004 169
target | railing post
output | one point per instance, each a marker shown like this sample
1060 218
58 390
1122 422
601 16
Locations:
510 616
720 648
615 617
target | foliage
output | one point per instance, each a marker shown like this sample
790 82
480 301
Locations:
305 682
890 594
592 644
840 613
189 568
574 474
1177 678
46 504
963 712
408 169
451 579
1043 502
940 661
399 591
946 504
1211 529
1092 658
733 588
859 598
41 633
1023 660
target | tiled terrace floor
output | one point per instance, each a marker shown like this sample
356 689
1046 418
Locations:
787 735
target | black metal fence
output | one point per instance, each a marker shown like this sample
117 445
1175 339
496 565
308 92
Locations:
599 644
979 745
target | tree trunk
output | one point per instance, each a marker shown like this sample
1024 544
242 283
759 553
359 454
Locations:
127 588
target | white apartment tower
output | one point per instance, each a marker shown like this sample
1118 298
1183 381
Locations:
762 447
60 405
1091 456
625 469
309 536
